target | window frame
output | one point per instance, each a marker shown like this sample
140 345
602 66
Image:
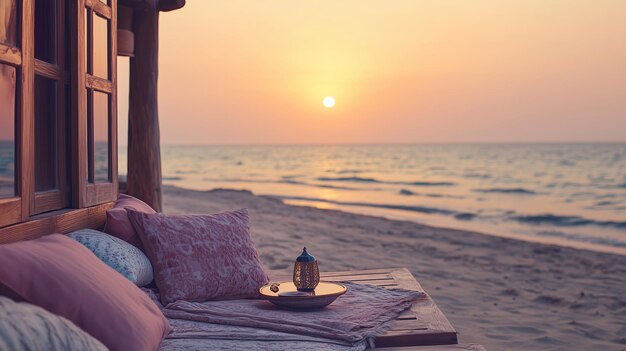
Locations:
77 192
86 193
16 209
54 199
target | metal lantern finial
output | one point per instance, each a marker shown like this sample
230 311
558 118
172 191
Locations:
306 274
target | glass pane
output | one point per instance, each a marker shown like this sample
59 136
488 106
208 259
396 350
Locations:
101 136
45 30
8 22
46 132
100 47
7 130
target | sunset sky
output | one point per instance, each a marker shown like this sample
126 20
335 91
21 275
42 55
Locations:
411 71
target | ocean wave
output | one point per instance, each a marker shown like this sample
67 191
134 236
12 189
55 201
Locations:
374 180
283 181
420 209
583 238
567 221
172 178
520 191
407 192
348 179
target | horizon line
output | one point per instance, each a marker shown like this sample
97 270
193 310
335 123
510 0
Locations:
399 143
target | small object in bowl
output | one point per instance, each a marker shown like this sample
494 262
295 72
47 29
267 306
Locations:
274 287
294 293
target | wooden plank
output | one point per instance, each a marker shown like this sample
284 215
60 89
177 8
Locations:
100 8
11 210
78 117
457 347
99 193
359 277
49 70
98 83
26 129
370 282
10 55
431 325
49 200
361 272
62 221
113 152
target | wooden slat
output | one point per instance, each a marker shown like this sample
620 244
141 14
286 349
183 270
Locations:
100 8
359 277
11 210
360 272
388 282
63 221
457 347
78 119
9 54
432 327
48 70
99 193
53 199
26 129
113 156
98 83
422 324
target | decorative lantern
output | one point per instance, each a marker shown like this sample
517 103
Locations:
306 275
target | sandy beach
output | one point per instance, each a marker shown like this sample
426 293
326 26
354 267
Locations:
502 293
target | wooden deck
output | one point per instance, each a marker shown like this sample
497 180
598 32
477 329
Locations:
424 324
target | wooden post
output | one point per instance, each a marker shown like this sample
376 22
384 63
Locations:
144 153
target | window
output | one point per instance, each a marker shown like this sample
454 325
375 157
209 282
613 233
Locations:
95 89
58 120
50 88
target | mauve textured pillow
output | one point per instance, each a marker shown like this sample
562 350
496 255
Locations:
62 276
26 327
201 257
119 225
125 258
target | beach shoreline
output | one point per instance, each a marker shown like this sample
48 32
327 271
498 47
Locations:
503 293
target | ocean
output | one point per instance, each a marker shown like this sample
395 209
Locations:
564 194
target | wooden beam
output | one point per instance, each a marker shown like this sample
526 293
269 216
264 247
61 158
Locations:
48 70
99 7
144 153
98 83
10 54
63 221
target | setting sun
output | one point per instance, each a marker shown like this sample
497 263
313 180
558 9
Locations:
329 101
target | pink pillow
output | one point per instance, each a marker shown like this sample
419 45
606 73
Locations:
201 257
62 276
119 225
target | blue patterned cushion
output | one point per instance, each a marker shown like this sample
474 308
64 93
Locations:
117 254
